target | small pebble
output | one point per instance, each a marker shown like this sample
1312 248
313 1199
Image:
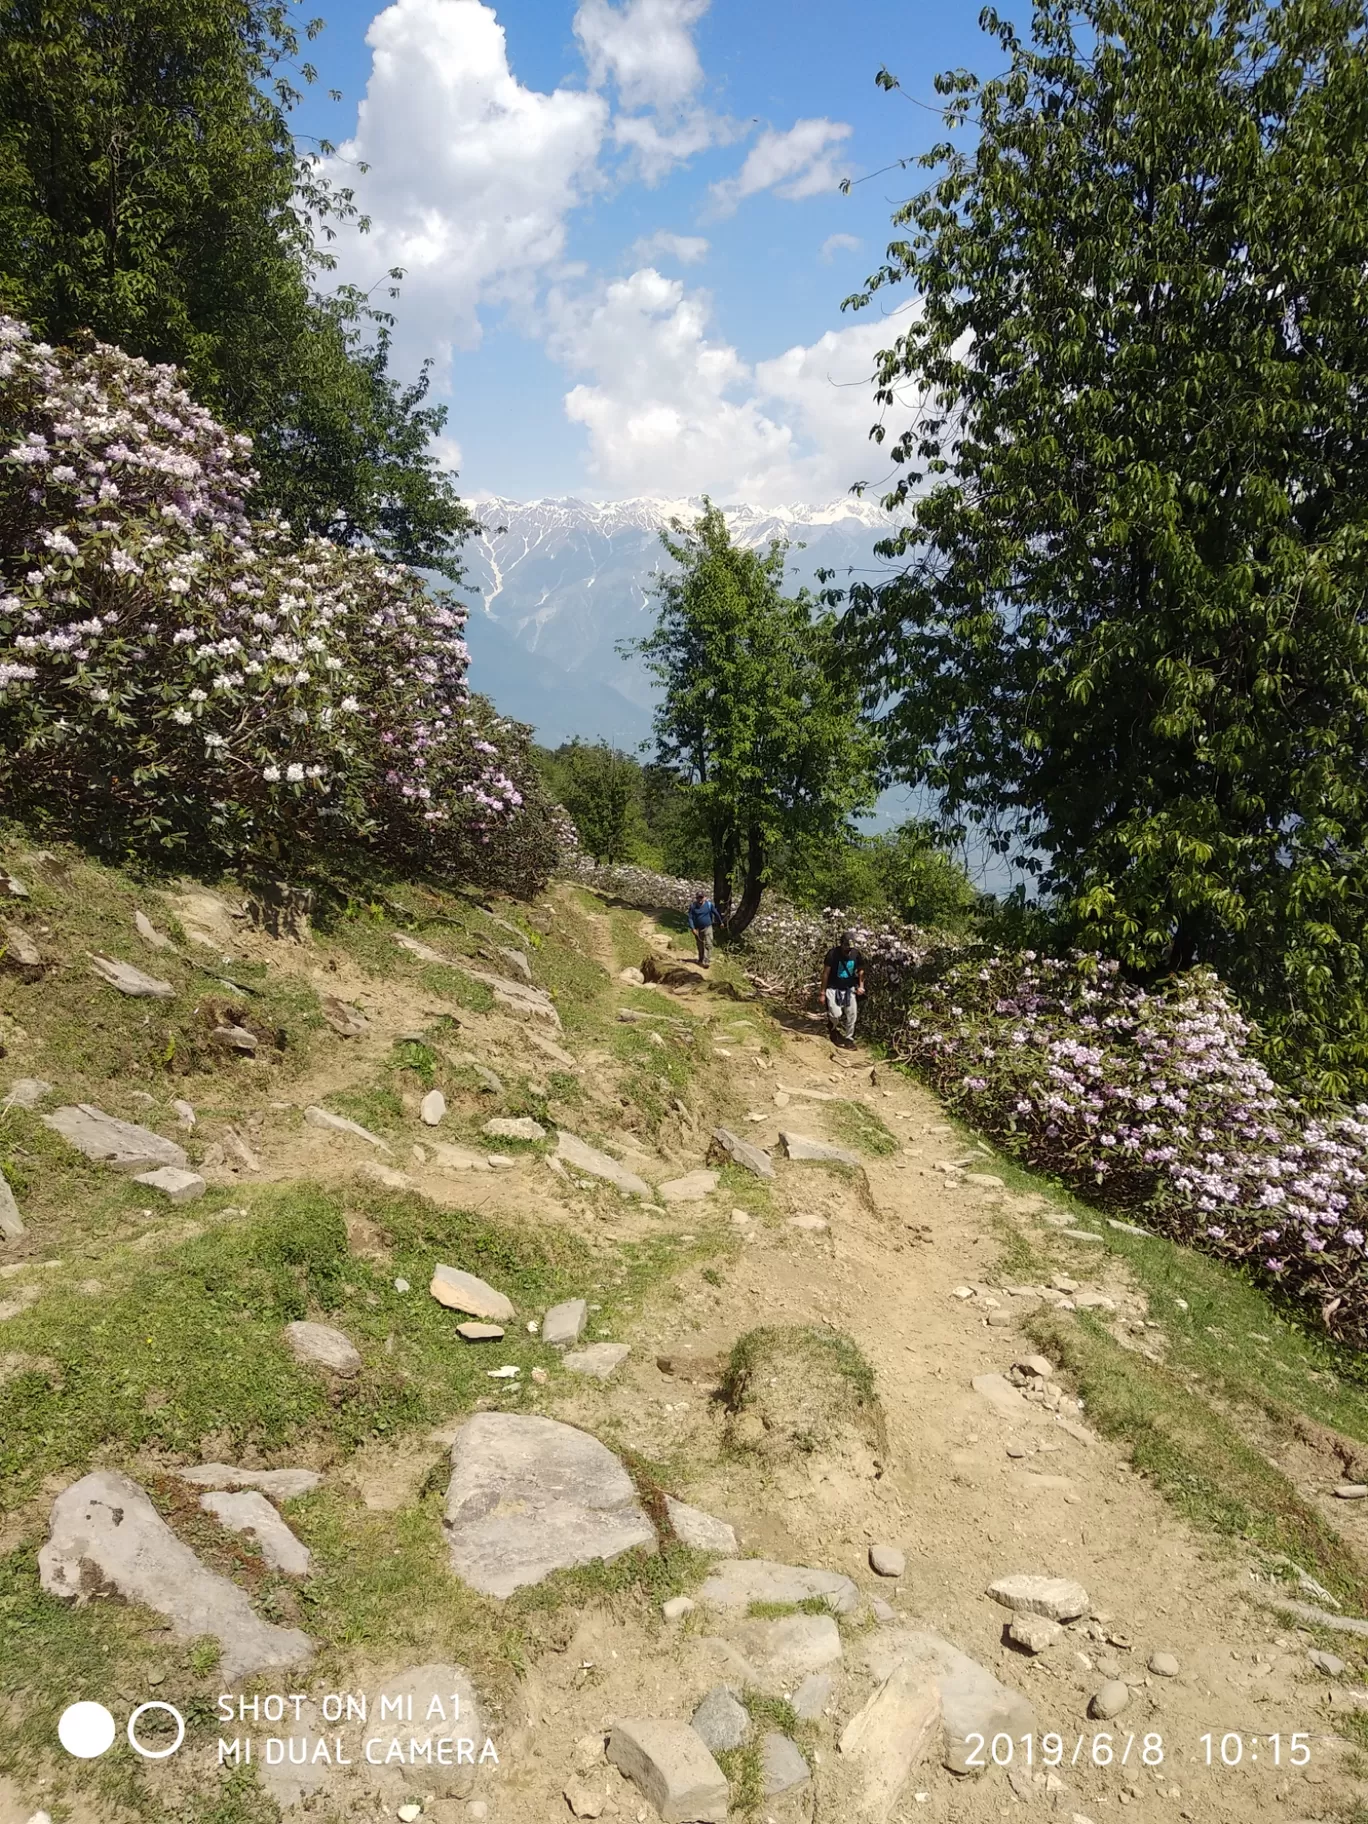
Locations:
883 1611
1110 1700
678 1607
1163 1665
401 1285
887 1561
1352 1491
1109 1668
407 1813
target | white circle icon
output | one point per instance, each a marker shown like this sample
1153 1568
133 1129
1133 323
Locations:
156 1754
86 1730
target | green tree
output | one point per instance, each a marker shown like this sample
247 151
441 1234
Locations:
906 873
759 714
151 194
600 788
1131 632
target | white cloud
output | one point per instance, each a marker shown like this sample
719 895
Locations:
656 150
669 410
471 176
645 48
796 164
839 243
686 248
447 452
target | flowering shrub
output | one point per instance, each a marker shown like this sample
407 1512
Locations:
177 676
1153 1102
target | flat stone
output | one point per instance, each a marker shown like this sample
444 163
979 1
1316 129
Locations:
26 1092
173 1183
1006 1399
1036 1364
432 1109
564 1323
887 1561
1085 1235
1128 1228
184 1113
517 997
748 1580
801 1146
500 1162
1164 1665
670 1765
20 955
347 1022
699 1530
11 1222
1351 1491
236 1038
895 1731
584 1800
458 1159
517 962
549 1049
599 1359
1093 1301
514 1127
129 980
280 1484
105 1534
479 1333
881 1610
678 1607
692 1188
488 1079
742 1153
120 1144
1329 1663
392 1179
1109 1700
1057 1598
1033 1633
721 1720
973 1702
812 1696
986 1181
339 1124
248 1511
784 1650
236 1148
321 1346
571 1150
460 1291
148 932
529 1496
632 976
782 1766
809 1224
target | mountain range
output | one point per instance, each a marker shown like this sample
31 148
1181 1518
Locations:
555 585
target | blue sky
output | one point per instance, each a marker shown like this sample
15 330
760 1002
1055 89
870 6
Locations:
625 245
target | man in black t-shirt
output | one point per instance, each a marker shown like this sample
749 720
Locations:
843 987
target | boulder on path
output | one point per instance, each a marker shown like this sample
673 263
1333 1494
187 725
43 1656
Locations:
460 1291
529 1496
721 1720
973 1702
895 1731
246 1510
787 1649
173 1183
742 1153
782 1766
320 1346
693 1187
514 1127
339 1124
432 1110
280 1484
19 954
699 1530
801 1146
599 1359
748 1580
571 1150
129 980
11 1222
668 1762
564 1323
347 1022
104 1534
1056 1598
121 1144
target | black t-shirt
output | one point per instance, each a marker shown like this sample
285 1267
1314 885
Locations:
843 970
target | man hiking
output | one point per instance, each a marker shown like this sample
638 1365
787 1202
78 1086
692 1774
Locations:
703 917
843 986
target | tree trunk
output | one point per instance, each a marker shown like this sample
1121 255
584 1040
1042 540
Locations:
753 888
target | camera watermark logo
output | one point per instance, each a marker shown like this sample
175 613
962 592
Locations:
88 1730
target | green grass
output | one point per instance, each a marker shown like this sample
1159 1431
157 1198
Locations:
861 1127
810 1385
743 1766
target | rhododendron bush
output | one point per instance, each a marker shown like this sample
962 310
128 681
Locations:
177 677
1149 1101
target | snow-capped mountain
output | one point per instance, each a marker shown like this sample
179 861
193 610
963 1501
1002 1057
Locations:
554 585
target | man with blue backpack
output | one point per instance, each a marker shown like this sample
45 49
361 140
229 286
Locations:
843 987
703 918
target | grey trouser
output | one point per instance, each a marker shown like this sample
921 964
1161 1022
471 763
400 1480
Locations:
704 940
843 1018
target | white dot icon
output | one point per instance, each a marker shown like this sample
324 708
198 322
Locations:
86 1730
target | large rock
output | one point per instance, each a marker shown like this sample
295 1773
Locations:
668 1761
246 1510
11 1222
104 1534
529 1496
514 1127
280 1484
585 1158
800 1146
787 1649
742 1153
320 1346
1056 1598
174 1184
460 1291
122 1144
564 1323
701 1531
748 1580
895 1731
721 1720
129 980
692 1188
339 1124
973 1702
